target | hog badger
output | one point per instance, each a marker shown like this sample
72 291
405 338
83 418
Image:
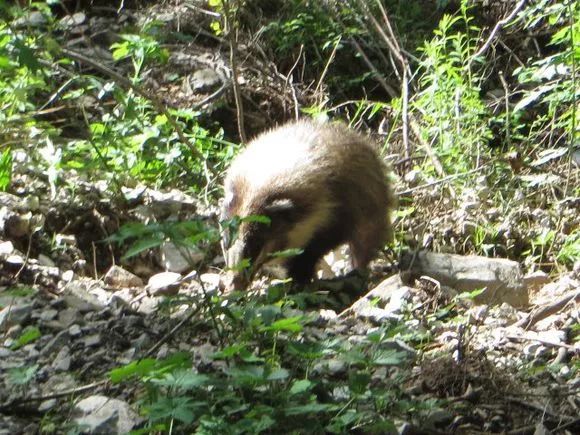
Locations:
320 185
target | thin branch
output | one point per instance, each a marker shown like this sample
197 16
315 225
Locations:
441 180
495 30
73 391
508 136
232 40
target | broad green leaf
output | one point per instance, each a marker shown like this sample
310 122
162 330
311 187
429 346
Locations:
29 334
291 324
301 386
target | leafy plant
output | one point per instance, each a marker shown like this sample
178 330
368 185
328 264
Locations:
570 250
272 374
22 375
189 235
550 83
452 113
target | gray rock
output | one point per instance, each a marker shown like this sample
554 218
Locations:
204 79
45 260
48 315
92 340
6 249
47 405
14 331
73 20
15 314
501 279
68 316
119 277
179 258
33 19
74 330
65 239
77 296
59 340
61 363
536 280
100 414
164 283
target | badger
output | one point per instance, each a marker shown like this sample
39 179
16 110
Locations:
319 186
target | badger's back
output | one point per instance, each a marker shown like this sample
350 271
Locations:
331 173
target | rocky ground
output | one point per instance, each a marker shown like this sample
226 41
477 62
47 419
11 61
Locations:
65 325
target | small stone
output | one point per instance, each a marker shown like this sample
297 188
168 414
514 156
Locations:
6 249
14 331
74 330
61 363
328 314
68 316
15 260
67 276
75 19
61 339
100 414
48 315
92 340
205 78
211 281
32 202
77 296
14 314
119 277
164 283
46 405
65 239
564 372
179 258
33 19
45 260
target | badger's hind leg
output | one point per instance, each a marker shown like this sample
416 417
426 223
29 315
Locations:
367 241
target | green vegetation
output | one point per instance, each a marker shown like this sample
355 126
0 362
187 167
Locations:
270 376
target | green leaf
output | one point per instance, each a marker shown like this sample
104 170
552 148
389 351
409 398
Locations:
278 375
26 56
311 408
5 168
134 368
182 379
301 386
257 218
389 358
470 295
142 245
291 324
22 375
358 382
29 334
287 253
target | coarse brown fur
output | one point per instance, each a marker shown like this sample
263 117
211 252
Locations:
321 185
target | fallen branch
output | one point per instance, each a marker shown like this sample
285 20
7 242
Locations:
73 391
543 312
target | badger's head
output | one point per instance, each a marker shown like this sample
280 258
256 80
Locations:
254 226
